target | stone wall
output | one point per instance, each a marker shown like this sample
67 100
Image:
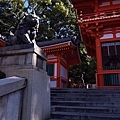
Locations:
11 98
29 61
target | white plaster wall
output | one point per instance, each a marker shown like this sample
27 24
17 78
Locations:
105 4
117 35
55 69
116 2
53 84
51 56
105 36
63 72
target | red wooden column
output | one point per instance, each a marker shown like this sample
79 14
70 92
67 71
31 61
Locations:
67 82
58 72
100 77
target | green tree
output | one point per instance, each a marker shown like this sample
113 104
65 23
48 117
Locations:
87 67
57 17
11 12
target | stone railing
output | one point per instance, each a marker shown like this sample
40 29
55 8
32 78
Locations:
11 97
28 61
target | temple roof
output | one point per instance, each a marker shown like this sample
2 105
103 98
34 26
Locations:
57 41
66 47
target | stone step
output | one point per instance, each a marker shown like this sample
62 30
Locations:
104 110
84 116
71 98
87 94
79 90
56 119
86 103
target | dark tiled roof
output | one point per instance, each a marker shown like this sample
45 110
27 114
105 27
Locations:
52 42
63 40
57 41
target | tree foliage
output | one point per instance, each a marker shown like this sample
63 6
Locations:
57 17
11 12
87 67
57 20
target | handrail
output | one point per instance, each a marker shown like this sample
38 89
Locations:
11 84
99 15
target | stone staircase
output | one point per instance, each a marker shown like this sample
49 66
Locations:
85 104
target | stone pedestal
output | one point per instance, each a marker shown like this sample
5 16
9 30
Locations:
29 61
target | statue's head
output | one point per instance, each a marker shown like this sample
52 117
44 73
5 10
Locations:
32 19
26 30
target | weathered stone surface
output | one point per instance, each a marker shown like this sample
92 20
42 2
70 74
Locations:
11 84
10 106
22 56
11 96
3 102
36 104
20 49
29 62
14 103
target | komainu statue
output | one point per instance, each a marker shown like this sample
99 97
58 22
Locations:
26 30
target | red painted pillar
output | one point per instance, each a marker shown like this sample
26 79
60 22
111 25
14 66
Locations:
58 73
100 77
67 82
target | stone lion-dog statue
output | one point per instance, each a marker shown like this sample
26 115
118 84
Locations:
26 30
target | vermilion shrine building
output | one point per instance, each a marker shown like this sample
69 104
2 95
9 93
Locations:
99 21
61 54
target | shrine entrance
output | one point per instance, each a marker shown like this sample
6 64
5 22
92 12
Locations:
99 22
111 61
